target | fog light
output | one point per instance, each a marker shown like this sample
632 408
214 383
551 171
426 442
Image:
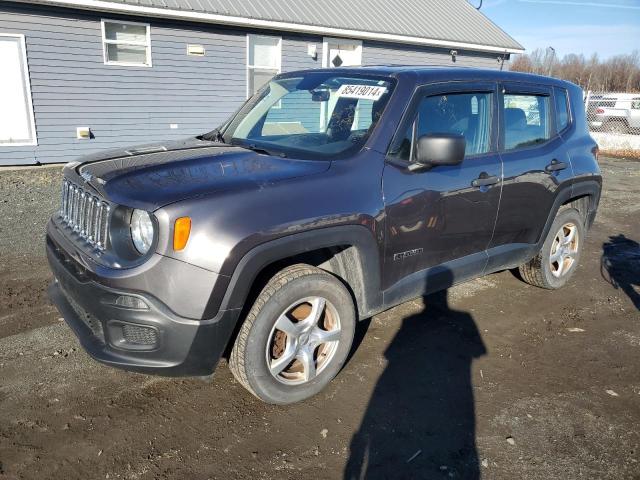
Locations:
134 303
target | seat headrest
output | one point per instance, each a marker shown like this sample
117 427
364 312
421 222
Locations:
515 118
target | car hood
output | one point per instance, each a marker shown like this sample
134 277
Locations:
152 176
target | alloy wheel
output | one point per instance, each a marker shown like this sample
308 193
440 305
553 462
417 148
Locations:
564 250
303 341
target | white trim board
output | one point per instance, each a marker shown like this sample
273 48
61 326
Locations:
101 5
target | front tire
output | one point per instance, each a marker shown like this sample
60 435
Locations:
296 336
558 258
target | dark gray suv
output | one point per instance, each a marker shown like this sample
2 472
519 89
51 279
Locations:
331 195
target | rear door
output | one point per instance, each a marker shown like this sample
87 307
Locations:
535 163
444 213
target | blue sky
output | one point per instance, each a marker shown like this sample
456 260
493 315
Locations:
572 26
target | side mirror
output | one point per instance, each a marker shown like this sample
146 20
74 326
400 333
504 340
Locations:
439 149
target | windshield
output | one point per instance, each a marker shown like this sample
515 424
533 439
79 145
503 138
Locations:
314 116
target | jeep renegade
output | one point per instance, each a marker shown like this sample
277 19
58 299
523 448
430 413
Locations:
329 196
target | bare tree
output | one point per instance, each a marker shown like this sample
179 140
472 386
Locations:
619 73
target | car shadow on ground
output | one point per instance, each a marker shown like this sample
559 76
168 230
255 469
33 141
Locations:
620 266
420 420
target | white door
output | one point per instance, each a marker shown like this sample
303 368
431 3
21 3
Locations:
16 112
338 52
341 53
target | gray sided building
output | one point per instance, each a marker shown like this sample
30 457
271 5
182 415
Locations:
80 76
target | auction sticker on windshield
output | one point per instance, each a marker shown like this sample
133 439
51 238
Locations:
367 92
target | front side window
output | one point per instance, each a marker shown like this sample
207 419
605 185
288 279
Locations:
126 43
562 108
16 111
525 120
466 114
316 115
263 61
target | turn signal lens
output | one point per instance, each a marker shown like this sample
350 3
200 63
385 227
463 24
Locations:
134 303
181 231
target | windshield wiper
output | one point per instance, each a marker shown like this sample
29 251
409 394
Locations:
255 148
213 136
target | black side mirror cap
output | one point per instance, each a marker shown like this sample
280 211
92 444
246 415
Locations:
439 149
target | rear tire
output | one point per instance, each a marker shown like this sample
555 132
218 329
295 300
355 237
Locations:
296 337
559 256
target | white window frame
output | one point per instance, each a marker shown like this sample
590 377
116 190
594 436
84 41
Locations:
252 67
146 44
27 85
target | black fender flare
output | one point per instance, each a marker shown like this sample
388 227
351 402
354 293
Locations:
591 188
368 298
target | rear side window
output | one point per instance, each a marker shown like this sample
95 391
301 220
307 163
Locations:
525 120
466 114
562 108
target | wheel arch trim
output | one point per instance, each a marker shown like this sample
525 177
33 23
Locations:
368 298
590 188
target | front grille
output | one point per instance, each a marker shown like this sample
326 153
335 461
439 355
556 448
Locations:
138 335
85 214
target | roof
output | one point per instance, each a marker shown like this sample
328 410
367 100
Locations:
450 24
442 73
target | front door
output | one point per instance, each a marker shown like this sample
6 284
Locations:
445 214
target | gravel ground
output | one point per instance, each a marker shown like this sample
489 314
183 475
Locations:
493 379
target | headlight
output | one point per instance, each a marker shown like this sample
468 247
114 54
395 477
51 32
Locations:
141 231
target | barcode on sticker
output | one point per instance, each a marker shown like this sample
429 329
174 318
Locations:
367 92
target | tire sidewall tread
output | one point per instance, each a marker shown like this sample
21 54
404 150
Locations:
247 360
537 271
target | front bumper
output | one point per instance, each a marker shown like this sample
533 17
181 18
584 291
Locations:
153 340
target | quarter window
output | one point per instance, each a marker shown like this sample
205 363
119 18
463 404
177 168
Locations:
126 43
466 114
263 61
562 109
16 112
525 120
635 103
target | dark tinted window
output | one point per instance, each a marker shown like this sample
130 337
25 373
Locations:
526 120
467 114
562 108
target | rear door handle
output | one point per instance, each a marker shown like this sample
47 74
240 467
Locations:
555 165
484 180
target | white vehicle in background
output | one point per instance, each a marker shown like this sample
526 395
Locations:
614 112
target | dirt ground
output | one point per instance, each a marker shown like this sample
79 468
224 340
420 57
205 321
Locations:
493 379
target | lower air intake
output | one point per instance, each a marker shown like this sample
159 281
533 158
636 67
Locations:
138 335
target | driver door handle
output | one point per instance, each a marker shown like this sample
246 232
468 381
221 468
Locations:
555 165
484 180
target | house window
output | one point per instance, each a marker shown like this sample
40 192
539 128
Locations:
263 61
126 43
16 111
